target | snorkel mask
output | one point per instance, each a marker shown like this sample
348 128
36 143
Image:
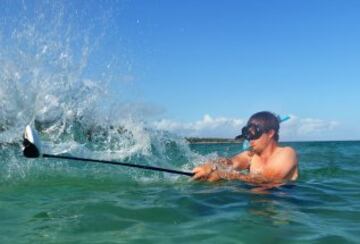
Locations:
254 131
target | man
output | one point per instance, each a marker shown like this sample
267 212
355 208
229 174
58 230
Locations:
266 162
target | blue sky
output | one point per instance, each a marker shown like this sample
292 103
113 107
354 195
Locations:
230 59
209 65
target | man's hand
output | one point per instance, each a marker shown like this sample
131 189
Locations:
207 171
214 176
203 172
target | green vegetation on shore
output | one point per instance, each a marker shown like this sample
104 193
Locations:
199 140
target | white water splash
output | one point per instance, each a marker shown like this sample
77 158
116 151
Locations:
47 78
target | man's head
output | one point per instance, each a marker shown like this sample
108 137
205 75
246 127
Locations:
266 121
261 128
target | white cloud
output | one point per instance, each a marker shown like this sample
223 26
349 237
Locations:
308 129
294 129
208 126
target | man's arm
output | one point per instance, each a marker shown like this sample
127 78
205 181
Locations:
283 165
235 175
240 161
281 168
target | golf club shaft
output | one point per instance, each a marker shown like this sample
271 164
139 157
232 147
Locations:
120 163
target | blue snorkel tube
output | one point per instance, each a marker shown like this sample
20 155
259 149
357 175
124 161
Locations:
281 118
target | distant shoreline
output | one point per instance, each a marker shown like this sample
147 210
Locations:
197 140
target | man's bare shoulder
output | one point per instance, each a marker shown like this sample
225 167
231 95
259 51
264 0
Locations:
286 154
289 151
283 164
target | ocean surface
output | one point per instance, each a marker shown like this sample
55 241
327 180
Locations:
62 71
59 201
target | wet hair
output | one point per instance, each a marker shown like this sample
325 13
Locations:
268 121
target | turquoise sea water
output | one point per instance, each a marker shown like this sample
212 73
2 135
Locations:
48 201
58 73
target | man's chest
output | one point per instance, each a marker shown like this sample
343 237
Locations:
259 167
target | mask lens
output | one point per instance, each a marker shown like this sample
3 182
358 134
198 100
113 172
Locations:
252 132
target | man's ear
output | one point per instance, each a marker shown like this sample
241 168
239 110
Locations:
271 133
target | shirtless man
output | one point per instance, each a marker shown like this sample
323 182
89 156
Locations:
266 162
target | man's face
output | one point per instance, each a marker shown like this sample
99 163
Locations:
258 145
